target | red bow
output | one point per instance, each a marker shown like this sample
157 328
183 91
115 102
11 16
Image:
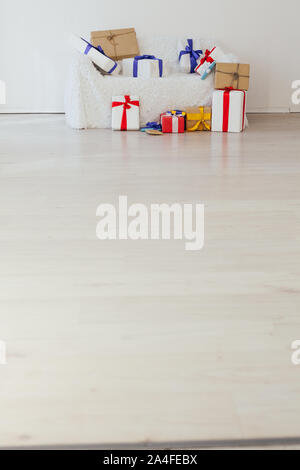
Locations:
126 105
207 57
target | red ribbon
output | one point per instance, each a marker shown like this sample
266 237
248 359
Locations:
126 105
207 57
226 104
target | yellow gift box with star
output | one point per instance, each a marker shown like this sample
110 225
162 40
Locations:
198 118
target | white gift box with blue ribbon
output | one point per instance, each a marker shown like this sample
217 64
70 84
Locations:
96 55
144 66
189 52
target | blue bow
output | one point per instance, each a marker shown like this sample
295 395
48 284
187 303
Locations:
194 55
176 112
98 48
152 125
141 57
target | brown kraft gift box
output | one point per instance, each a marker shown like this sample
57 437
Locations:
232 75
117 43
198 118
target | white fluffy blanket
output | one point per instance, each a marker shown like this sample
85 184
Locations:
88 93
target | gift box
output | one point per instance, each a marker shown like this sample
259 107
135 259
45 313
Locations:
198 118
189 52
207 63
144 66
232 75
228 111
125 113
172 122
96 55
117 43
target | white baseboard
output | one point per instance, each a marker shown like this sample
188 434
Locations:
268 110
295 108
31 111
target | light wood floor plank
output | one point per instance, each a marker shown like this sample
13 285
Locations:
134 342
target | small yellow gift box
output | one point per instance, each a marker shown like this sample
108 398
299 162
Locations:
198 118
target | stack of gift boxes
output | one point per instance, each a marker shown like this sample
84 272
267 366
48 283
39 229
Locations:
114 51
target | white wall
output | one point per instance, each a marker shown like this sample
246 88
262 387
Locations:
34 50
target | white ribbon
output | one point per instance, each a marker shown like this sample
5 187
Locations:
175 126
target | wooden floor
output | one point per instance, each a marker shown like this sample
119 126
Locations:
140 342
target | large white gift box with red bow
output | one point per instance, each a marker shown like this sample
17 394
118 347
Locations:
228 111
125 113
96 55
207 63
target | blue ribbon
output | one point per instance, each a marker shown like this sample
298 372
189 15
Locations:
152 125
175 112
90 46
194 55
113 68
141 57
98 48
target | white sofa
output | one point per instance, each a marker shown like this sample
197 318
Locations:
88 93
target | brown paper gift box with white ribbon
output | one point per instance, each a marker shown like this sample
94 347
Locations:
230 75
117 44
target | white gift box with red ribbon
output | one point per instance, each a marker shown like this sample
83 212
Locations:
125 113
228 111
207 63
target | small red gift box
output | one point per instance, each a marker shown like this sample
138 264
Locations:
172 123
